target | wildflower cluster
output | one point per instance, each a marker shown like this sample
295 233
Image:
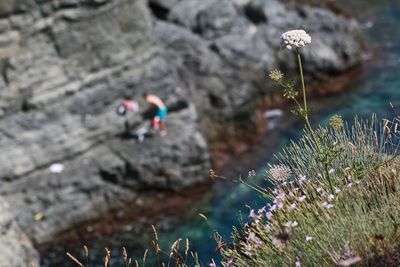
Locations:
276 75
336 194
336 122
279 172
295 39
308 224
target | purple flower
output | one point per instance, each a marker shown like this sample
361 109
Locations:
302 178
251 236
262 210
252 214
212 263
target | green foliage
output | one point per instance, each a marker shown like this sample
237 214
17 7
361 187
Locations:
335 201
308 225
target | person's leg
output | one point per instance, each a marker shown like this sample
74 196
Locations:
163 130
163 115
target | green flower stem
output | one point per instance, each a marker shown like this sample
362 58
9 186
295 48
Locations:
241 181
305 115
308 124
328 177
302 82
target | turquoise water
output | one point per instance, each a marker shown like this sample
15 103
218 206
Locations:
377 86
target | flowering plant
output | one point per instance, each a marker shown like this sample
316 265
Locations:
335 199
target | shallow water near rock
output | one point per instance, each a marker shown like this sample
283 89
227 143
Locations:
373 91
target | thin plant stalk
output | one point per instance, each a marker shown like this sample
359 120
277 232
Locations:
307 121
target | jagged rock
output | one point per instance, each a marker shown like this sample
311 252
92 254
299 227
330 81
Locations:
16 249
65 65
107 177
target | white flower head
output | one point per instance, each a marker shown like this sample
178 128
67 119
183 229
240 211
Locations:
308 238
280 196
280 172
302 198
295 39
291 224
302 178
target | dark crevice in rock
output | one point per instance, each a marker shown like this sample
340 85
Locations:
215 100
26 106
41 167
213 47
255 14
159 11
9 136
178 106
108 176
4 66
302 12
52 37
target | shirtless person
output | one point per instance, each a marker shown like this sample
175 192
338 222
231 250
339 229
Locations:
158 122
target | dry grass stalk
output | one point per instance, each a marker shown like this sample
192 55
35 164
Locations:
75 259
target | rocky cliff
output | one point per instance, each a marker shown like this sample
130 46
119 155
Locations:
67 64
16 249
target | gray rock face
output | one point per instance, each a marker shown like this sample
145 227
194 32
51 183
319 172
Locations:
67 64
16 249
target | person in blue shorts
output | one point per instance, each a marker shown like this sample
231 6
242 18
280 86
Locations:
158 121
